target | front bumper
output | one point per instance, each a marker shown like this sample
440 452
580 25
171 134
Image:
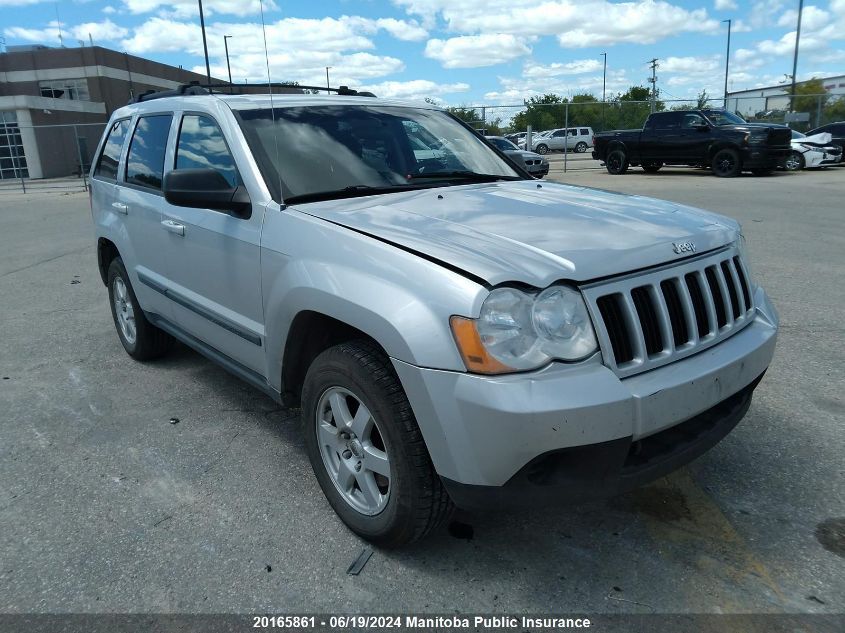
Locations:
762 157
530 438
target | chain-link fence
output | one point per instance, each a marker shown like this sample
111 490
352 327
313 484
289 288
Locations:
46 157
574 123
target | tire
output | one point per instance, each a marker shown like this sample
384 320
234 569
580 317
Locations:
542 149
581 147
616 162
652 168
411 501
726 163
140 338
795 162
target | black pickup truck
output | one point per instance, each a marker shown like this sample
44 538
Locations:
717 139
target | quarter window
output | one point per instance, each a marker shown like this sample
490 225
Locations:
145 162
107 164
202 145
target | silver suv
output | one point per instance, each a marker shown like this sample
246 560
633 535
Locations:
454 331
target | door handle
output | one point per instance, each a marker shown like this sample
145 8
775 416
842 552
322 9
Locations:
120 207
174 227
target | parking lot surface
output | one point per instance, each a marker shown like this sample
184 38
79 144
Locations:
173 487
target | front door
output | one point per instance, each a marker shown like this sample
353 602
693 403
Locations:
213 256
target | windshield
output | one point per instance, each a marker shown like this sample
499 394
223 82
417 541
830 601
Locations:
722 117
503 144
321 152
796 134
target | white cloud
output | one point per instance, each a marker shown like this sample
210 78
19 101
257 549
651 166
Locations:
416 89
726 5
402 30
577 23
19 3
105 30
189 8
533 70
812 18
109 10
298 49
473 51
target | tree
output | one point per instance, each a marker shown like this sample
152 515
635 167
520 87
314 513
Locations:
542 113
806 96
468 115
703 98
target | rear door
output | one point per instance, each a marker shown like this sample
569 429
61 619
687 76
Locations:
139 198
213 256
107 212
661 138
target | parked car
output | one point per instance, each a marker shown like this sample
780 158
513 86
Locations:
534 136
715 138
516 137
533 163
453 331
812 151
579 139
837 132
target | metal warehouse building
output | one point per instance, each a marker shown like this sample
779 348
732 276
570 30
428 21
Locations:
54 103
750 102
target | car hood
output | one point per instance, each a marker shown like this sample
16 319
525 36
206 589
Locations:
523 154
821 139
528 232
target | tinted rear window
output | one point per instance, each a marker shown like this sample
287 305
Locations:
107 164
145 162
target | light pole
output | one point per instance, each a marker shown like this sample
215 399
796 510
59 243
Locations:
795 58
226 46
204 44
604 80
727 62
327 77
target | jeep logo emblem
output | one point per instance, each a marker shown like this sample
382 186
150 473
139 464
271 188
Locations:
683 247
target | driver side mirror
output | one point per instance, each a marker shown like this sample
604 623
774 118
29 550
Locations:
701 127
206 188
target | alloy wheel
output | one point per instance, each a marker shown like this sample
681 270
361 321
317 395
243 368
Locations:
124 311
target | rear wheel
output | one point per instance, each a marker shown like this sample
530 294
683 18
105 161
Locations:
725 163
652 167
366 449
581 147
795 162
140 338
616 162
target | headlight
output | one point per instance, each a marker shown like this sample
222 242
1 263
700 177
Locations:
518 330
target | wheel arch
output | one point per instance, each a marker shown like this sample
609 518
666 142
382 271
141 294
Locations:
106 252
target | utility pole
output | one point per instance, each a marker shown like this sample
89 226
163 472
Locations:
204 44
727 62
795 58
327 78
226 46
653 81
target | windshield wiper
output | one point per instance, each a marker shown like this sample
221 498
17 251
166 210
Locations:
461 175
351 191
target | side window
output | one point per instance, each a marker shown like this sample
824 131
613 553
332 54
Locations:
584 131
107 163
665 121
572 132
691 120
202 145
145 162
559 133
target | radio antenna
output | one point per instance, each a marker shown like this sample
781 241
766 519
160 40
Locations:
270 88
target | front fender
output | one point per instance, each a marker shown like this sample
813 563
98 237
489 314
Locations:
399 299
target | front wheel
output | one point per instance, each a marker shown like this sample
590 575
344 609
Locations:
581 147
725 163
366 449
542 149
795 162
616 162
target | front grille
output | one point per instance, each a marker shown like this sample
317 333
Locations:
648 320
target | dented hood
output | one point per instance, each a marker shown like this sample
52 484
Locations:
530 232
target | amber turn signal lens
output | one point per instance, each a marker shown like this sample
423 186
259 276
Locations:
472 349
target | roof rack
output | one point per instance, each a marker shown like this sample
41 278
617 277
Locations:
196 88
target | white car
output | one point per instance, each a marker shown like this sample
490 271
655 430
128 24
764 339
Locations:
812 151
579 139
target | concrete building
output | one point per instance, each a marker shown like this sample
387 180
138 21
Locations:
776 98
54 103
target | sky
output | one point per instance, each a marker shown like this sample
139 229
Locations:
459 52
